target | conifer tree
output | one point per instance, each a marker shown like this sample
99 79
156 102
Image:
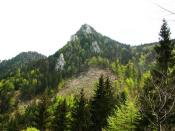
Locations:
158 97
12 125
101 104
61 122
81 114
164 50
42 115
38 115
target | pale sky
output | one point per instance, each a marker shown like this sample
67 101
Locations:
46 25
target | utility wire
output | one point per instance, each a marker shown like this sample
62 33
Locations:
167 10
163 8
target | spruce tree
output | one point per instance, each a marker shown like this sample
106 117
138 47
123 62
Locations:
81 114
61 122
42 116
164 50
109 96
101 104
37 115
158 97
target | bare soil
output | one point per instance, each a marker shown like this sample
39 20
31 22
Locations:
86 80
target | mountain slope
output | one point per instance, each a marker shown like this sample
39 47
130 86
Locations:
85 46
85 80
27 77
18 61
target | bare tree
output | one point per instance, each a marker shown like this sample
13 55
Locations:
159 101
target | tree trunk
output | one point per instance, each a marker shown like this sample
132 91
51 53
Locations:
159 127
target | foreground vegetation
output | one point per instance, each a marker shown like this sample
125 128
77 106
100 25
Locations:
141 97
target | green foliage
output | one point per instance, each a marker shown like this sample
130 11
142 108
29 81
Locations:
31 129
157 98
130 83
102 104
26 77
125 118
6 94
130 71
125 55
118 68
38 114
61 84
61 120
9 66
165 48
81 114
102 62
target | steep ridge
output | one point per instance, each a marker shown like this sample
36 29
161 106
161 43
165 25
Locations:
86 45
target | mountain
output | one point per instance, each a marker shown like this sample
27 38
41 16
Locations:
27 77
22 59
86 48
93 43
88 45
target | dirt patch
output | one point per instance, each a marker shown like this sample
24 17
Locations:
86 80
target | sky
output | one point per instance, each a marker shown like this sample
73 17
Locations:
46 25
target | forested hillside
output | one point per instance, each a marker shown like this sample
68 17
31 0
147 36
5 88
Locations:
93 83
8 66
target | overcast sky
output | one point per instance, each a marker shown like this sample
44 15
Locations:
46 25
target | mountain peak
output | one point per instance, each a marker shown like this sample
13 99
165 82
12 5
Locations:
86 25
85 28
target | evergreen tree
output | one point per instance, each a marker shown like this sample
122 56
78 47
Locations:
101 104
164 50
81 114
110 100
158 97
12 125
43 114
38 115
61 122
4 122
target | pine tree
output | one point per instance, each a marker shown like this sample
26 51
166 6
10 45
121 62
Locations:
81 114
61 122
101 104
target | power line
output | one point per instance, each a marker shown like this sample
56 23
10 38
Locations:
165 9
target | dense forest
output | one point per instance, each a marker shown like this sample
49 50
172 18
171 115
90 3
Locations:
141 97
